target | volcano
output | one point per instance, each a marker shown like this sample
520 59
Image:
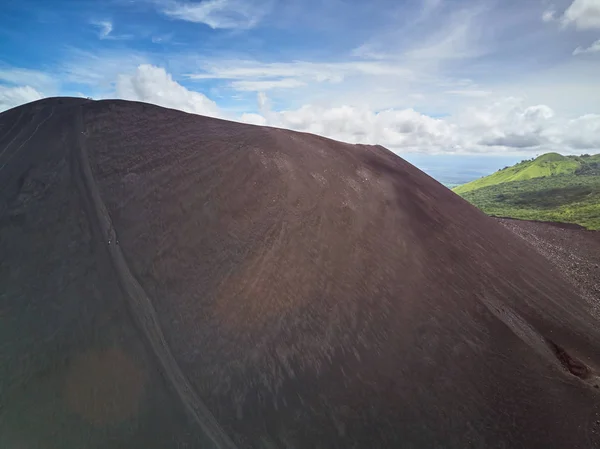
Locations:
173 280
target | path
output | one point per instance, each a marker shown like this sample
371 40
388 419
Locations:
141 306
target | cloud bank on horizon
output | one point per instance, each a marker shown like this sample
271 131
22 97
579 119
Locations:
431 76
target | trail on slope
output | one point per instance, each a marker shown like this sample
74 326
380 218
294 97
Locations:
141 306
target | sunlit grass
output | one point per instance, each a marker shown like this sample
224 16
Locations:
562 198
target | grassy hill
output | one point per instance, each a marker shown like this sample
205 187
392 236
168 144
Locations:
551 187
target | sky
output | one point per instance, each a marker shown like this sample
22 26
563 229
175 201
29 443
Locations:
492 81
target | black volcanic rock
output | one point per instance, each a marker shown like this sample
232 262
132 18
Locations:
172 280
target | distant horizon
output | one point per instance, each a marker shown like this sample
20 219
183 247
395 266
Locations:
453 170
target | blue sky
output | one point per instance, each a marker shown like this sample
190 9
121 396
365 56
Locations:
490 78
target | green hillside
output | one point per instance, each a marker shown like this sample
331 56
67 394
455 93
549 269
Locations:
549 188
549 164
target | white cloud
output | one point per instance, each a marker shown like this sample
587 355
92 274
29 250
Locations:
584 132
397 129
315 71
458 37
153 84
15 96
455 43
594 48
383 72
253 119
105 31
368 51
19 86
237 14
249 75
487 43
105 28
507 125
264 104
549 15
583 14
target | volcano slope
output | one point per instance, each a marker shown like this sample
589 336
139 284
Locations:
574 250
172 280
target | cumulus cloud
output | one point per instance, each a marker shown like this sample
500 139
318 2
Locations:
15 96
397 129
582 14
153 84
218 13
19 86
584 132
507 125
594 48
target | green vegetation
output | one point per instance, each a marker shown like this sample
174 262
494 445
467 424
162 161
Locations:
549 164
549 188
